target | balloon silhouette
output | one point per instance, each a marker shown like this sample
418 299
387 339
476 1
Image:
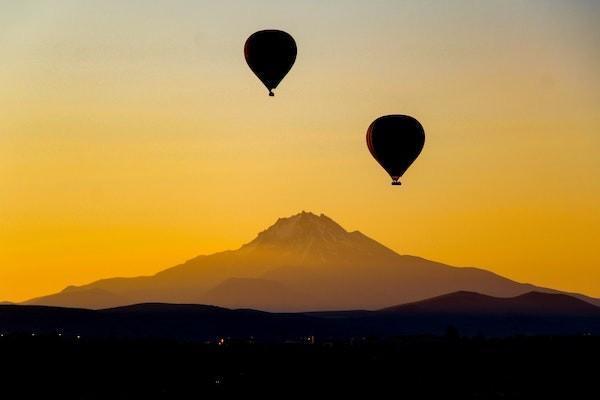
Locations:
395 141
270 54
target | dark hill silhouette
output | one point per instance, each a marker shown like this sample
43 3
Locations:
471 313
301 263
532 303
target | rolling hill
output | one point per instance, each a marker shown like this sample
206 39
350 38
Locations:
532 313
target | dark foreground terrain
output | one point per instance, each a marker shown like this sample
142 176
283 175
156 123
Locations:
534 314
411 367
461 345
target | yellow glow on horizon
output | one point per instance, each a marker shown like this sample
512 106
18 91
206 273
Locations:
133 139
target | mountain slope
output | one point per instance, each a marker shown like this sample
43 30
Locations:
88 297
304 262
253 293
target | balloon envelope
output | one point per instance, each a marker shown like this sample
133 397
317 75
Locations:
395 141
270 54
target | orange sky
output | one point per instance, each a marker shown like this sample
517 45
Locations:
133 136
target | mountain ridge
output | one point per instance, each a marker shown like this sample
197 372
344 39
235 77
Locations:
534 302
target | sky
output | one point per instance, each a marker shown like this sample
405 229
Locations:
133 136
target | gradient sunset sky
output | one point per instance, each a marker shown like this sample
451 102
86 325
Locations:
133 136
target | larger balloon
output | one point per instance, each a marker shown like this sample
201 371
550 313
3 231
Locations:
270 54
395 141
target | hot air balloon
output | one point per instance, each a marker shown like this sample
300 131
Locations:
270 54
395 141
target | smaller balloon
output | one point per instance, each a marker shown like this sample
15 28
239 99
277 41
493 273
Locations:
270 54
395 141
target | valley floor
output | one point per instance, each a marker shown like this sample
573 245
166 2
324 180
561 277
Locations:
404 367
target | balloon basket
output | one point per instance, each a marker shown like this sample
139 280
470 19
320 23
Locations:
396 183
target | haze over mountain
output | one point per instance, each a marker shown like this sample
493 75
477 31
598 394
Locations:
303 262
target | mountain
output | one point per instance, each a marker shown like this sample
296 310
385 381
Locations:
303 262
532 313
